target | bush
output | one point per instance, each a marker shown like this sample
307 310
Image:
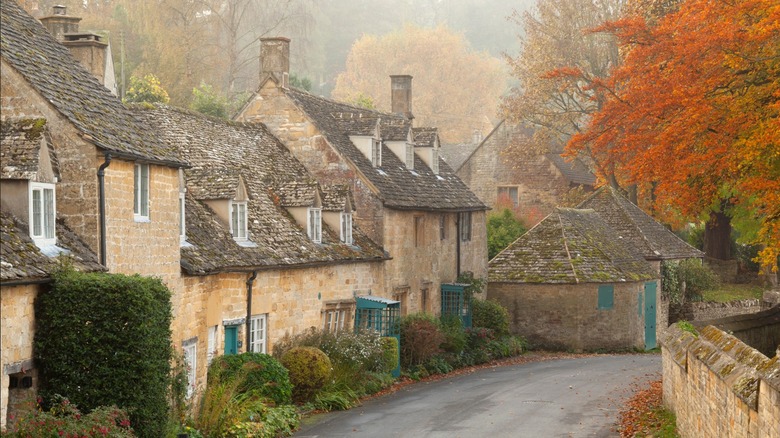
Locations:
454 334
258 373
490 314
390 354
420 339
686 280
361 352
64 419
105 339
146 89
503 228
206 100
309 370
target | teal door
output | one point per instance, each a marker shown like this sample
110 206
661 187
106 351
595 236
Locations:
231 339
650 292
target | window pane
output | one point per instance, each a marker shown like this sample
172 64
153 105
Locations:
36 212
48 213
136 189
181 215
144 190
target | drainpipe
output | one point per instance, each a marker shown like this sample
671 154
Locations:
101 174
457 246
249 283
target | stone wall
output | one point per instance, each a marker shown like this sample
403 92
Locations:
760 330
566 316
17 328
718 386
704 310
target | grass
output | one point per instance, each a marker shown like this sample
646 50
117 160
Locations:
729 292
660 423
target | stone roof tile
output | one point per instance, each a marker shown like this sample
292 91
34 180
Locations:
20 145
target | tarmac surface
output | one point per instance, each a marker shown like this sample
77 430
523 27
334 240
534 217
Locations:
578 397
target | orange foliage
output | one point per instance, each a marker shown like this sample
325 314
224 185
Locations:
694 111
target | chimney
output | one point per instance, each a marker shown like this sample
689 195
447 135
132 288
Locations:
86 47
476 137
275 58
60 23
401 95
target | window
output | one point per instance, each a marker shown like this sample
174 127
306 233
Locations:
238 220
435 161
419 231
376 153
315 224
401 294
442 227
42 213
336 316
190 349
346 228
424 300
257 333
182 226
508 194
606 297
141 191
465 226
409 156
212 344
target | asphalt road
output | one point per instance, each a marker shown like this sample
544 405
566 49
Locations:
559 398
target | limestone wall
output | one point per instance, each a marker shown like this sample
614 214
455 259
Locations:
718 386
760 330
17 327
700 311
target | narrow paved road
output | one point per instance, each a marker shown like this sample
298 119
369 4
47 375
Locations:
560 398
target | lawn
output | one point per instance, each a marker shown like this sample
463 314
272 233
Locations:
726 292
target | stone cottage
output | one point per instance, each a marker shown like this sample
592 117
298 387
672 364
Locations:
97 173
533 183
265 249
407 199
571 283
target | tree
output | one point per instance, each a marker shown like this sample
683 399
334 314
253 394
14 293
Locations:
559 68
503 228
206 101
146 89
693 115
455 88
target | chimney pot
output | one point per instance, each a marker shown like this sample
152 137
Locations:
401 95
275 58
60 10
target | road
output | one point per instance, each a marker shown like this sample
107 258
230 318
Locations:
560 398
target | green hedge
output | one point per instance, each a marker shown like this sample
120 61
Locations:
105 339
260 372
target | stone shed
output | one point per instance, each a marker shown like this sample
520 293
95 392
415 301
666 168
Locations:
571 283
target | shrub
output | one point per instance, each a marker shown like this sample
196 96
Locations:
490 314
454 334
420 339
257 372
390 354
146 89
309 370
64 419
503 228
105 339
361 352
206 100
686 280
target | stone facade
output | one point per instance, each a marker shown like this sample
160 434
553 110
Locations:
567 316
718 386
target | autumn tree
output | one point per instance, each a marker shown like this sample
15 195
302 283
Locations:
558 69
455 88
693 115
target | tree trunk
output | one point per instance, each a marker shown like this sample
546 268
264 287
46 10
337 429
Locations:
717 236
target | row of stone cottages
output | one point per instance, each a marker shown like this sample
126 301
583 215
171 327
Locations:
259 230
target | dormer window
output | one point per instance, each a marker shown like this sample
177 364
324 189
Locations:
409 156
435 161
314 225
238 222
376 153
42 213
141 192
346 228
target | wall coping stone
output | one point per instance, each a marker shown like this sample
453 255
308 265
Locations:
677 341
742 322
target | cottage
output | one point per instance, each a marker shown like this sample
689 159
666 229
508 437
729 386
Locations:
532 183
571 283
407 199
265 249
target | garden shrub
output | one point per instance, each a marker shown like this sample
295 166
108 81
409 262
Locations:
686 280
490 314
257 372
64 419
390 354
420 339
454 334
360 352
105 339
309 369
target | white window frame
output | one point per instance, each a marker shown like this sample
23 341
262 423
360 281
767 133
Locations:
141 172
376 153
212 344
435 161
258 333
43 213
409 156
314 224
507 191
239 220
346 228
337 316
182 221
465 226
190 350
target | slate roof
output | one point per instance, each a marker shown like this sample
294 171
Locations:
397 186
424 136
22 261
298 194
569 246
575 171
20 144
336 197
50 69
268 169
653 240
455 154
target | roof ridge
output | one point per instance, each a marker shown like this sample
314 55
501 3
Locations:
566 247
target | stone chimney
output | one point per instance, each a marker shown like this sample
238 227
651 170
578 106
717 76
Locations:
275 58
476 137
87 47
401 95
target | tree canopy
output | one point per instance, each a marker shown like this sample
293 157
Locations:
455 88
692 116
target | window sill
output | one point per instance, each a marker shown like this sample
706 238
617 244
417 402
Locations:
246 243
142 219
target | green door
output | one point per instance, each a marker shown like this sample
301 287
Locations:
231 339
650 291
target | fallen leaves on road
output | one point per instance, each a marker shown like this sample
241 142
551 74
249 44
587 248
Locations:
644 414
